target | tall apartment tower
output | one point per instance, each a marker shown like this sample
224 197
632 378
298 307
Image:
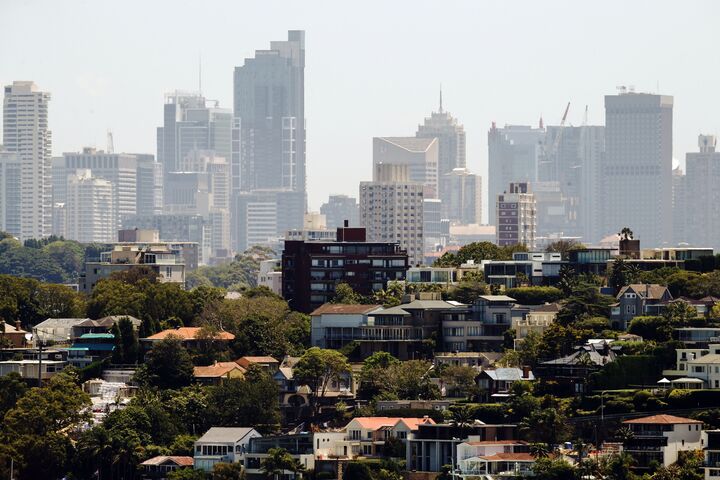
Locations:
451 138
461 195
516 214
637 168
513 156
340 208
391 209
90 209
269 101
26 133
10 173
419 154
702 178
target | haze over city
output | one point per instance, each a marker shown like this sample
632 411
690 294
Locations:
372 68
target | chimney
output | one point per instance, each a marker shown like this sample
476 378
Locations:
346 223
525 372
17 324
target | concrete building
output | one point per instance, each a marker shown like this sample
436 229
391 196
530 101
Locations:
680 211
166 263
516 216
461 195
537 268
702 177
391 209
90 209
27 134
222 444
340 208
269 100
513 155
637 173
480 330
270 275
264 216
419 154
434 234
451 139
10 198
176 229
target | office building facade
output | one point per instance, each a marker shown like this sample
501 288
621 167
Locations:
702 194
339 208
461 195
637 168
451 139
90 209
419 154
10 178
26 133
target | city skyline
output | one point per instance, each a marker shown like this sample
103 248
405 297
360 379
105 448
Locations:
526 80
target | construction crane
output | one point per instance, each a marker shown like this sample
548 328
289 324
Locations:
556 143
550 156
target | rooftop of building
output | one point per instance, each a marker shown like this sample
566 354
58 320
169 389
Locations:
344 309
412 144
218 369
163 460
225 434
662 420
187 333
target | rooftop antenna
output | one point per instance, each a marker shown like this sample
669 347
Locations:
441 98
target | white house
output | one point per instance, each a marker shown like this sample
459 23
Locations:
659 438
476 458
222 444
366 435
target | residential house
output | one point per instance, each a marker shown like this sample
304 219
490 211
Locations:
536 268
12 336
435 445
188 336
698 337
222 444
29 368
481 329
694 375
56 330
366 436
218 372
478 360
158 468
103 325
389 405
496 383
89 348
503 458
269 364
712 455
536 321
571 372
636 300
659 438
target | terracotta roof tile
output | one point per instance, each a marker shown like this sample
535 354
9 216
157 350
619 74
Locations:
375 423
159 460
343 309
662 420
520 456
220 369
187 333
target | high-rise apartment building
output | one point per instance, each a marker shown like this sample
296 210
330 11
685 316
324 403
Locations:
26 133
90 205
10 174
177 228
513 156
340 208
263 216
391 209
637 168
702 179
269 91
516 214
419 154
451 138
680 213
461 195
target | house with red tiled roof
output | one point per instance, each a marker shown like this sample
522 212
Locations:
218 372
659 438
158 468
367 435
267 363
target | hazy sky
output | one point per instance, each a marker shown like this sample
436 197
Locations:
373 67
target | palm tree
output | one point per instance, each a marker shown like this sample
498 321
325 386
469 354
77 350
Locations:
626 233
96 445
624 434
278 461
462 417
539 450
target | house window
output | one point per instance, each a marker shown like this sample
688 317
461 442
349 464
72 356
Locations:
630 295
630 309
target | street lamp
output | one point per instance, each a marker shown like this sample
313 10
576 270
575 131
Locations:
29 337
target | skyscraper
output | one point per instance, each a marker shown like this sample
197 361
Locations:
513 155
26 133
637 168
702 194
269 91
10 174
451 137
461 195
391 209
90 209
516 216
419 154
340 208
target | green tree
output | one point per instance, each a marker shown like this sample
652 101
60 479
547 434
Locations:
409 380
12 388
189 474
228 471
460 379
548 425
317 368
278 461
357 471
564 247
553 469
373 370
344 294
169 364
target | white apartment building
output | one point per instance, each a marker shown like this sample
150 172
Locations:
659 438
26 133
391 209
10 171
90 209
702 195
419 154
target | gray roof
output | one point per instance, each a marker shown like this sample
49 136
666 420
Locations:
412 144
508 374
225 434
428 305
497 298
397 310
60 322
